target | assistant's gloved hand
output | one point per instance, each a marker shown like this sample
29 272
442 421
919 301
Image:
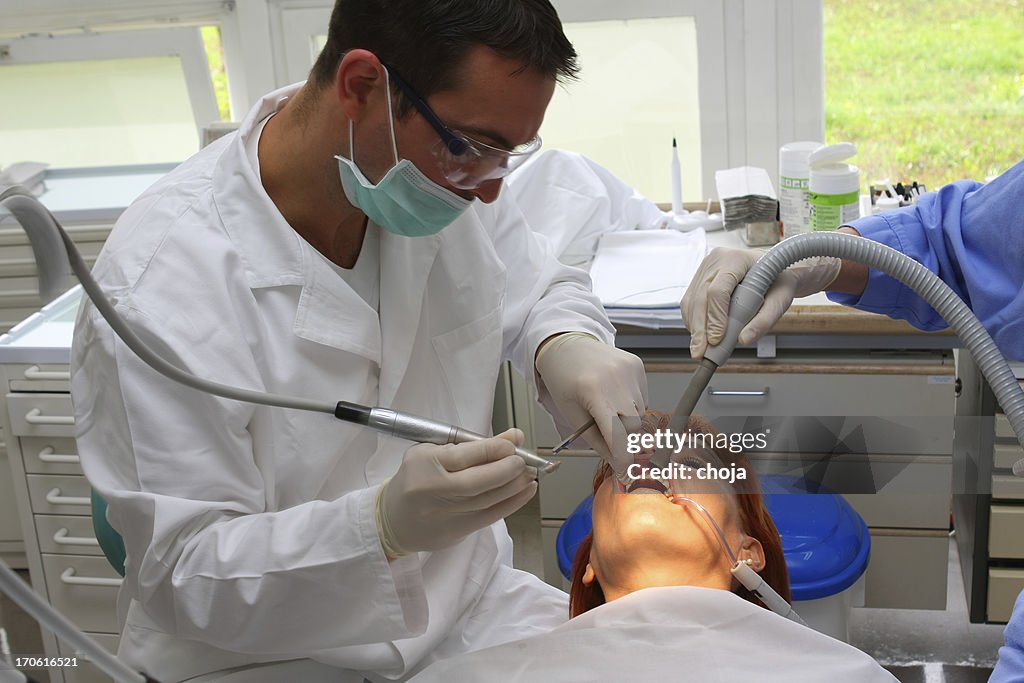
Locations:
588 378
705 306
441 494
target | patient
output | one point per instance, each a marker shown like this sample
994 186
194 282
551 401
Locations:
652 593
644 541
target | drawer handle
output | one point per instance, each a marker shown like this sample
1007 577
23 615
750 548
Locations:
62 538
737 392
68 577
36 417
54 498
47 455
35 373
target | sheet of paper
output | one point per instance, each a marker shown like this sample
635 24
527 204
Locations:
744 181
646 269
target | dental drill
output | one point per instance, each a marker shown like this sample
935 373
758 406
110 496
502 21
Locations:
50 242
749 295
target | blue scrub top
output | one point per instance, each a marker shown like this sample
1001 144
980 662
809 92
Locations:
972 236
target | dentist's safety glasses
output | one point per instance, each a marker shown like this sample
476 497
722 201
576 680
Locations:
479 162
466 162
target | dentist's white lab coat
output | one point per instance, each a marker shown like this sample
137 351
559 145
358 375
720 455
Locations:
250 530
678 633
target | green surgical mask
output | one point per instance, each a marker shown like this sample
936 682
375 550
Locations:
404 202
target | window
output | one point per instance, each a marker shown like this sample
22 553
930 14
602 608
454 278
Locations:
304 35
732 80
625 109
929 94
106 99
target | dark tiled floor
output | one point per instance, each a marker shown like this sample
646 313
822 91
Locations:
939 673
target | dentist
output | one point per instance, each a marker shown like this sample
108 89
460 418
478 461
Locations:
350 242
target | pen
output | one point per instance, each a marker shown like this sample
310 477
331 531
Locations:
677 185
575 435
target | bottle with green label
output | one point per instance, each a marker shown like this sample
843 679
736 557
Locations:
833 186
794 207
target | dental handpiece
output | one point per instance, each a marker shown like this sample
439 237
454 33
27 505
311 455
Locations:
425 430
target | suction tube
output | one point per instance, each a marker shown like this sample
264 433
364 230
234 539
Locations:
749 296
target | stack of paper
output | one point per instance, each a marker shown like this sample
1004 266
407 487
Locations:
641 275
746 195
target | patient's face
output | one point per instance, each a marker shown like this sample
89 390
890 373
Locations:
643 540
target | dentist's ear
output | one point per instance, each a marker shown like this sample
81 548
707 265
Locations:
751 550
359 74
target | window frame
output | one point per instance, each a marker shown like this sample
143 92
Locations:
185 43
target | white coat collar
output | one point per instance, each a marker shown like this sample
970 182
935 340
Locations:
268 246
329 311
332 315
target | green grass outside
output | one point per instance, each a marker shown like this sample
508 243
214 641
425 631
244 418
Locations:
928 90
215 56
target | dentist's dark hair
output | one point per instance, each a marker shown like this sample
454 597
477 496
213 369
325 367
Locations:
426 41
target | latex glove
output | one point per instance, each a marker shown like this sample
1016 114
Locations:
588 378
705 306
441 494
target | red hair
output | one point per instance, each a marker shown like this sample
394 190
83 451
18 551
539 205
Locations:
754 520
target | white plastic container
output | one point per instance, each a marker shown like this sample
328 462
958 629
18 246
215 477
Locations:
833 186
831 615
794 175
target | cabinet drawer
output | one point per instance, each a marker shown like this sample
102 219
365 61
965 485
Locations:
41 414
561 492
64 534
810 393
907 569
50 455
52 494
896 414
1007 487
1005 539
1003 587
54 378
899 491
1003 428
86 672
1005 455
84 589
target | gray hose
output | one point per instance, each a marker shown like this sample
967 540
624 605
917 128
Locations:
749 296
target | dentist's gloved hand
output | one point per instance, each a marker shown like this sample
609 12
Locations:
705 306
588 378
441 494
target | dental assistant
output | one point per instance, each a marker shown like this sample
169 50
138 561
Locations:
350 242
969 234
